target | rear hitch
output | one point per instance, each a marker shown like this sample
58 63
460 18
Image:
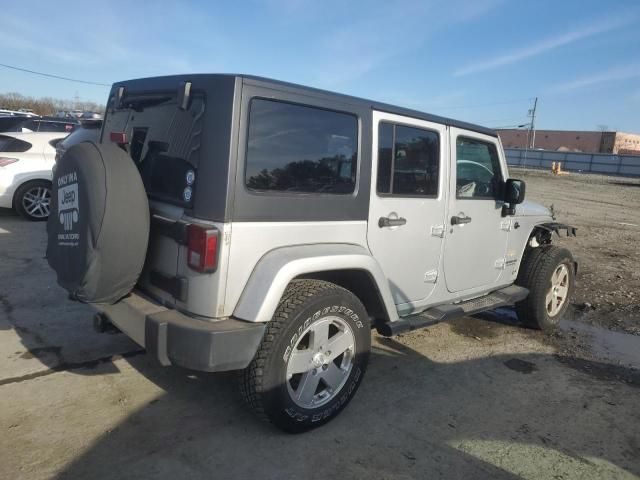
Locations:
102 324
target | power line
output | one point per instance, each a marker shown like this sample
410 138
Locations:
511 127
49 75
503 120
505 102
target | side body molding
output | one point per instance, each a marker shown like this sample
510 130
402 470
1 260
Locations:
277 268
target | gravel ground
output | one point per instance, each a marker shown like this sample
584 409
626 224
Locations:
477 397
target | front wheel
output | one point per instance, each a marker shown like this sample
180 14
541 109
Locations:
549 274
312 359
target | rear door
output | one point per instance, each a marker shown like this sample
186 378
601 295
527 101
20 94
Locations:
477 237
164 142
407 206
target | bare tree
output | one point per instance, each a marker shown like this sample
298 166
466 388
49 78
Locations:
45 105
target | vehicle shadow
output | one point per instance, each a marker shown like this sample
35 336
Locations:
50 329
498 417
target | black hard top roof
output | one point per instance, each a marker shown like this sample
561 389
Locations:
295 88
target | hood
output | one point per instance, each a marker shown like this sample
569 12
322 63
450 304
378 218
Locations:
532 209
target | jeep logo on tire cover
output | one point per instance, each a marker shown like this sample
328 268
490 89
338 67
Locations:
68 208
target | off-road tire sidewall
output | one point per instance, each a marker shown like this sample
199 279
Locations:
276 400
533 310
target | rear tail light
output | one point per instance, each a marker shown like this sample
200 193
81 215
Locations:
202 248
4 161
118 137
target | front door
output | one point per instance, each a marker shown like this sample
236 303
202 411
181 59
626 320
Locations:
477 233
407 206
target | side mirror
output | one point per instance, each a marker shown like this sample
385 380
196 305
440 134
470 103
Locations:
514 191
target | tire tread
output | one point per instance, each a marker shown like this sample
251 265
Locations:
532 275
251 378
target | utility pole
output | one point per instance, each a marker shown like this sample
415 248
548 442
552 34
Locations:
531 133
532 124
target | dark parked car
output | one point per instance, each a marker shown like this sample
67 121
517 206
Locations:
18 123
86 131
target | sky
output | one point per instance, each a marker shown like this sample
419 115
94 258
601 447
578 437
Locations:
481 61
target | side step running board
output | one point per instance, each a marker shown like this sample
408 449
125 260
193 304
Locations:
499 298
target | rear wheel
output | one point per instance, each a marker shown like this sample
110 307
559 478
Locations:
549 274
33 200
312 358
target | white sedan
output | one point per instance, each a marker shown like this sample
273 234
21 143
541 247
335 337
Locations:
26 160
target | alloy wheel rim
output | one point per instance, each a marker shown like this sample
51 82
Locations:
559 291
36 202
320 362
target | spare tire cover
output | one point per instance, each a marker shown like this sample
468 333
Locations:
98 228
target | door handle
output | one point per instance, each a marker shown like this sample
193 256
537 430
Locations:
391 222
460 220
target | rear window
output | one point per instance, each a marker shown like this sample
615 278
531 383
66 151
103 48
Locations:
163 141
300 149
11 124
13 145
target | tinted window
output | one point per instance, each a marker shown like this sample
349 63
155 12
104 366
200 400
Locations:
408 160
478 169
10 144
165 142
11 124
296 148
47 126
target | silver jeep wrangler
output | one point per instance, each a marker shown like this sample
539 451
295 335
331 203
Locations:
229 222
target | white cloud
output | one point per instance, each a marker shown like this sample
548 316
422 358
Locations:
354 48
624 72
544 45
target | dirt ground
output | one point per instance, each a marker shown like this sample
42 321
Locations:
477 397
606 211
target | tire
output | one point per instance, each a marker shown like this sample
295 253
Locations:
278 386
98 229
549 274
32 200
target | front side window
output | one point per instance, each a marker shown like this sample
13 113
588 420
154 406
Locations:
477 169
300 149
408 161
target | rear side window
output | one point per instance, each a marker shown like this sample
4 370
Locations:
300 149
478 174
13 145
408 161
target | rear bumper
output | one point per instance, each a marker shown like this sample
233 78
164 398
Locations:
177 339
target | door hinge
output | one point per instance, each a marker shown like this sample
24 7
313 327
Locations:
500 263
431 276
505 225
437 231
